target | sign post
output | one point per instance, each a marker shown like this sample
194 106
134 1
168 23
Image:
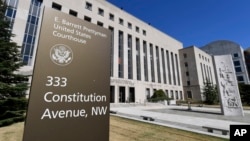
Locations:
69 98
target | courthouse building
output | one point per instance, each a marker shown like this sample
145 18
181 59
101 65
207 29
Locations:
144 59
197 70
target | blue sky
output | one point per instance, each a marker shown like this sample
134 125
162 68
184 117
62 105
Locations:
195 22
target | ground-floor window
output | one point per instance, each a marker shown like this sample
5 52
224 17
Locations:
189 94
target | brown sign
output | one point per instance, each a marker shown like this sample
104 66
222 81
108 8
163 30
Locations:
69 99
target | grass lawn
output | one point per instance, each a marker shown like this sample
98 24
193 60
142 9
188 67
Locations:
124 130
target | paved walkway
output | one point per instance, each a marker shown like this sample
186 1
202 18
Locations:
181 118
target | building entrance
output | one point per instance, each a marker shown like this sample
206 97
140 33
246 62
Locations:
112 94
132 94
122 95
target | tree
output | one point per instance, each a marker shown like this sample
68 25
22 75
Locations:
159 95
12 84
210 93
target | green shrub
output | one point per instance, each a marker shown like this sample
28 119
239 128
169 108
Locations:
11 114
13 104
10 121
158 95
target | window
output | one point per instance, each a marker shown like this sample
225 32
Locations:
129 25
120 21
99 23
189 94
73 13
236 63
86 18
176 95
111 17
186 64
88 6
138 60
31 30
130 58
137 29
172 94
184 55
187 73
56 6
238 69
240 78
101 12
188 83
236 55
144 32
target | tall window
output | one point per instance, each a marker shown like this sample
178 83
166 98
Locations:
145 56
152 63
30 31
168 65
202 73
120 61
158 65
112 52
138 60
130 59
163 66
177 67
11 10
173 68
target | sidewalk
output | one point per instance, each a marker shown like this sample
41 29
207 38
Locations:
179 117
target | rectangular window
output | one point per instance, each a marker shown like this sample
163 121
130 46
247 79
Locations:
112 51
120 21
100 11
129 25
172 94
88 6
56 6
130 59
185 55
189 94
177 69
99 23
173 68
73 13
238 69
137 29
236 63
152 62
168 65
111 17
138 60
120 55
145 60
176 95
158 64
163 66
240 78
144 32
188 83
86 18
202 74
236 55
